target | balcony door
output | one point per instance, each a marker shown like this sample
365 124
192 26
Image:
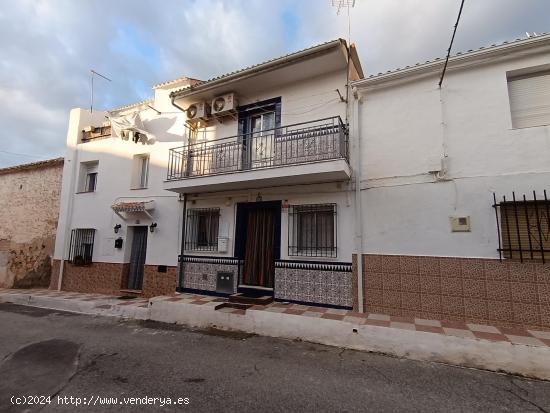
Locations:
260 140
257 127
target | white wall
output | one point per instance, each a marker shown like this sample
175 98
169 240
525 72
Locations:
407 127
303 101
309 194
114 184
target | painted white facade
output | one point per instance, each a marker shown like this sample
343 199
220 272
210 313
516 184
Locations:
410 128
426 154
307 90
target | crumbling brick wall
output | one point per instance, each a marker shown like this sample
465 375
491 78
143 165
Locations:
29 210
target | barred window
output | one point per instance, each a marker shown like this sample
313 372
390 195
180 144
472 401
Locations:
202 229
82 246
312 230
524 228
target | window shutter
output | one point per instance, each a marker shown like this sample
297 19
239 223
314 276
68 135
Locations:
530 100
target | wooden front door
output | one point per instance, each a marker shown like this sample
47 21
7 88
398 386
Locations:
258 242
137 258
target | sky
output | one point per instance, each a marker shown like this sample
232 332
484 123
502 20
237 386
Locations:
48 47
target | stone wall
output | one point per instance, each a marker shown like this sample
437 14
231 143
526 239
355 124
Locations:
29 209
485 291
318 283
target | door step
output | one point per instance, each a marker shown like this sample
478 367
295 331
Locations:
233 305
130 293
241 298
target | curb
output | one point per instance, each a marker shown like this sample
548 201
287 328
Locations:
520 359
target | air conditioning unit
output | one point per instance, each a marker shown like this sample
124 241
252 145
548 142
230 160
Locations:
224 104
197 111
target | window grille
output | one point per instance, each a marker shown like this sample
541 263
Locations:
202 226
523 227
81 246
312 230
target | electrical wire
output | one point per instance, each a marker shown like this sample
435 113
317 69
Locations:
23 154
451 45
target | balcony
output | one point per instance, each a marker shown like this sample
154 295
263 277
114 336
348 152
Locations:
96 132
308 152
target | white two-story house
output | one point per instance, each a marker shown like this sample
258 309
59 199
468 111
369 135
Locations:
237 184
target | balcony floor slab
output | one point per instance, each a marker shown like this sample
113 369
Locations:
333 170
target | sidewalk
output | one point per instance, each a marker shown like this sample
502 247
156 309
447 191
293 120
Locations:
511 350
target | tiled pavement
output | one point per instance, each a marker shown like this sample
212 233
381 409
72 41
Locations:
103 301
449 328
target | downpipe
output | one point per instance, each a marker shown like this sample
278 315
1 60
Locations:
181 263
358 202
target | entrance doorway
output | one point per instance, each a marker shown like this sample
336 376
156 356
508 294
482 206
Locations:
258 242
137 258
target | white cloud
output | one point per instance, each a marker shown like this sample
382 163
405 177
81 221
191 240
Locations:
49 46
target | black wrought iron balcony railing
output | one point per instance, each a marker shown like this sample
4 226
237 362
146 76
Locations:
314 141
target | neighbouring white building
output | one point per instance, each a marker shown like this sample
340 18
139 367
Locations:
433 162
272 179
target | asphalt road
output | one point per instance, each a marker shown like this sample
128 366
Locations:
96 359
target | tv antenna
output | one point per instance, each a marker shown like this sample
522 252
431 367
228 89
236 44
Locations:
92 73
340 4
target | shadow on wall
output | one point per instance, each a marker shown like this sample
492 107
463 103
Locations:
26 265
118 180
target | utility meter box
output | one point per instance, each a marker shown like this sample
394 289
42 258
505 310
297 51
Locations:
223 244
224 282
460 224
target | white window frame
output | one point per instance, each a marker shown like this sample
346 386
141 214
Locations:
88 169
529 98
140 172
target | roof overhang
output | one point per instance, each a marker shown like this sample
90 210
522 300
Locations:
305 64
48 163
133 207
484 55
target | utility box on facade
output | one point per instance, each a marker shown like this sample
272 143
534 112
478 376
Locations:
222 244
224 282
460 224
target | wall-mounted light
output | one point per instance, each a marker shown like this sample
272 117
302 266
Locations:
152 227
116 228
259 197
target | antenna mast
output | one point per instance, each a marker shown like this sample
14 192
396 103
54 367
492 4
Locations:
92 73
340 4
